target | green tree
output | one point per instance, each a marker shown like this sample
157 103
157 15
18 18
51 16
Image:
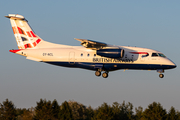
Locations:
79 111
90 113
7 110
139 113
154 112
19 111
44 110
126 111
178 115
65 112
24 114
116 110
56 108
172 114
104 112
27 115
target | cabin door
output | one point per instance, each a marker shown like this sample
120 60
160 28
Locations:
71 58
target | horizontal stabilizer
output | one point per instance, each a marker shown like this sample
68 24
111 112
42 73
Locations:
15 16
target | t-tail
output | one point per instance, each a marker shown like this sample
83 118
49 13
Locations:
25 37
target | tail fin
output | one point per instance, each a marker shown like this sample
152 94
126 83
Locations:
25 37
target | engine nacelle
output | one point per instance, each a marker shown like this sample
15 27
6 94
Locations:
111 53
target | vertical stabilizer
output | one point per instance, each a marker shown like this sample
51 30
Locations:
25 37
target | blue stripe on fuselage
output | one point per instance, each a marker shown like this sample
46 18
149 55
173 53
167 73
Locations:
112 66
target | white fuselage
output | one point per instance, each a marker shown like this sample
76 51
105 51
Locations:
77 56
93 55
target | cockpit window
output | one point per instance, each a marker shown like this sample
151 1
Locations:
154 54
161 55
158 54
145 55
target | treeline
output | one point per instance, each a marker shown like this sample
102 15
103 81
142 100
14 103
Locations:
72 110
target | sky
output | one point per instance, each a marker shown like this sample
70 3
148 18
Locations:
149 24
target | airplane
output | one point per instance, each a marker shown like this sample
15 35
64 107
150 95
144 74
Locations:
92 55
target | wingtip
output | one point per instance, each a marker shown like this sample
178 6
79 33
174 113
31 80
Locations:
77 39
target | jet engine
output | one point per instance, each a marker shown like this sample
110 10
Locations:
111 53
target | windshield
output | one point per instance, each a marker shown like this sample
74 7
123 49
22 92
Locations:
161 55
154 54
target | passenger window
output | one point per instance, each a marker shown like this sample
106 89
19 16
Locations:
81 54
94 55
154 54
88 55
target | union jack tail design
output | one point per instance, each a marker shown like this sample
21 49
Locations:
25 37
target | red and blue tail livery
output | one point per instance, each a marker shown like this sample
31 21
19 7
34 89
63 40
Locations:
92 55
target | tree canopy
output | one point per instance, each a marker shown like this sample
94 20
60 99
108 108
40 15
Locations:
72 110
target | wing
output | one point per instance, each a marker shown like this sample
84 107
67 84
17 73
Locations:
91 44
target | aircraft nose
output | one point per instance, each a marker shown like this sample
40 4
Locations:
172 64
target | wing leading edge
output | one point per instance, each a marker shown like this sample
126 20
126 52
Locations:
91 44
